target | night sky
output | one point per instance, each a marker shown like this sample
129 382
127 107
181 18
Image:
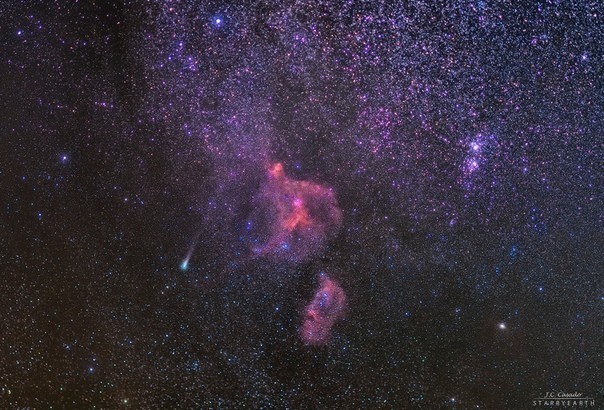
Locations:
301 204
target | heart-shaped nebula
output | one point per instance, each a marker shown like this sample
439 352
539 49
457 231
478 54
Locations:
292 220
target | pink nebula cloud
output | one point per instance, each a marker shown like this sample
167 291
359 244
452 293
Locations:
296 217
326 308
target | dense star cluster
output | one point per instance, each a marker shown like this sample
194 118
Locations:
301 204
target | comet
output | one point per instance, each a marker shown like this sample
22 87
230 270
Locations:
184 265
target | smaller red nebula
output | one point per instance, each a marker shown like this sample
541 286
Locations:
276 171
321 314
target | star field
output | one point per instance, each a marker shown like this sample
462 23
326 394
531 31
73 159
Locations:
300 204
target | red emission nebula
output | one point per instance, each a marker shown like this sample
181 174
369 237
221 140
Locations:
299 217
323 311
292 221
